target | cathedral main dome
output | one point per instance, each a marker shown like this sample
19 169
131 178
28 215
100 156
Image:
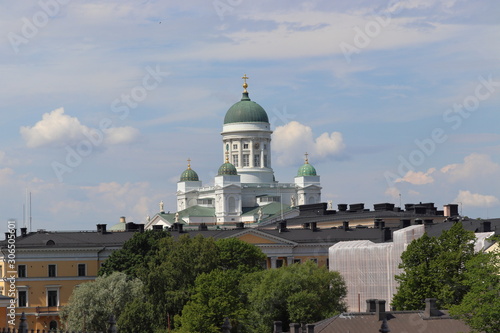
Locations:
246 111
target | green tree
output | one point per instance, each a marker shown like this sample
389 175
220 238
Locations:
480 308
134 256
300 293
435 267
237 254
138 316
216 295
92 303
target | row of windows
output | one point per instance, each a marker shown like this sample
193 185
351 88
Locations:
246 160
52 298
245 146
51 270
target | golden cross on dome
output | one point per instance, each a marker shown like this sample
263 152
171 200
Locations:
245 85
189 163
307 160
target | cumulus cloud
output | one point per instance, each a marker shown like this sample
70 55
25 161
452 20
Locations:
57 128
476 200
293 139
474 165
418 178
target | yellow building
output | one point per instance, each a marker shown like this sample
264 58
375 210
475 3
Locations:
49 265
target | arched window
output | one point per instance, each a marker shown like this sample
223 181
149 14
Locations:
53 325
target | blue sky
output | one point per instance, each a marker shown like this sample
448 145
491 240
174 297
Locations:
104 101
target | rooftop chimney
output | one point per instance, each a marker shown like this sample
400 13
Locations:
101 228
431 309
380 309
282 226
123 219
370 305
180 227
342 207
141 227
450 210
310 328
24 232
404 223
345 225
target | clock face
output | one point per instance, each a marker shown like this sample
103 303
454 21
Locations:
257 146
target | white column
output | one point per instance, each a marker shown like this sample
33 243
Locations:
251 153
273 262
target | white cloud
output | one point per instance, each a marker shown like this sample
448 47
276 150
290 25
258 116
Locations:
292 140
120 135
392 192
476 200
417 178
474 166
57 128
7 160
131 199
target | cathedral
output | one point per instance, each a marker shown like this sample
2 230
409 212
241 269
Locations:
245 189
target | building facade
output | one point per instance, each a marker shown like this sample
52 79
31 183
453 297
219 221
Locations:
245 182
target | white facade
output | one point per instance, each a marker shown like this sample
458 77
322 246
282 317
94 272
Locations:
246 179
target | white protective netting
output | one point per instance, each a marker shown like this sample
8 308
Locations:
369 268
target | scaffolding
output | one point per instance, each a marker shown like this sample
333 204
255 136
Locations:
369 268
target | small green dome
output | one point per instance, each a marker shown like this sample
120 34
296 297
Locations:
306 170
227 169
189 175
246 111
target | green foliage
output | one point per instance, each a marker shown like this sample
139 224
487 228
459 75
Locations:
236 254
216 295
133 256
92 303
480 308
297 293
435 267
137 316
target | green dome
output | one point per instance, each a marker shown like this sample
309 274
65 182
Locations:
306 170
189 175
227 169
246 111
